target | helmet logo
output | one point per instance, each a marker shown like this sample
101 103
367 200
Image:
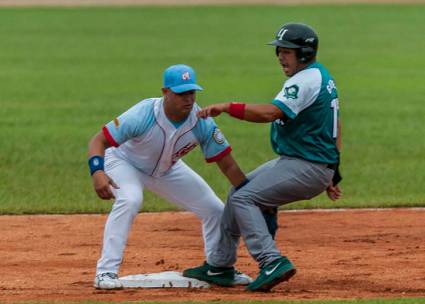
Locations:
310 39
281 33
186 76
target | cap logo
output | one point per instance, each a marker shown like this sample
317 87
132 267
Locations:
186 76
281 33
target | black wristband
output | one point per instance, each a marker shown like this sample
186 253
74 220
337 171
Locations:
246 181
96 163
337 176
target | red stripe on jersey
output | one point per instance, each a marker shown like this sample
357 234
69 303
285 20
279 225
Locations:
220 155
109 137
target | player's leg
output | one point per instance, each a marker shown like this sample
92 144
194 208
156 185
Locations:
287 180
247 213
185 188
270 214
259 242
128 199
226 251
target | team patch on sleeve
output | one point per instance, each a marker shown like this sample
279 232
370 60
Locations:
291 92
218 136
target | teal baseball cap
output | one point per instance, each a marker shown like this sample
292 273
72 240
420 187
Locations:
180 78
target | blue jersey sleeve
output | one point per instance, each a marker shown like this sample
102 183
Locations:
213 143
132 123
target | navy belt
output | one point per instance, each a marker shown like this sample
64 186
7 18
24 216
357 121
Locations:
333 166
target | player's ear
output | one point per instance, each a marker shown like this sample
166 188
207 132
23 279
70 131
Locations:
165 91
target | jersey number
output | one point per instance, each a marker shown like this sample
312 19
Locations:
335 108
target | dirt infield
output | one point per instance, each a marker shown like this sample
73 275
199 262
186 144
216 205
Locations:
351 254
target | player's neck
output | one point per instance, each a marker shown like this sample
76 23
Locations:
302 66
172 114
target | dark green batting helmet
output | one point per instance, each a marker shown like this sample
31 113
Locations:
298 36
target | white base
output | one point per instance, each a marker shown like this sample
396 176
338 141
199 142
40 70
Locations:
167 279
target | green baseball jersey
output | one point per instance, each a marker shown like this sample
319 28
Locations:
310 100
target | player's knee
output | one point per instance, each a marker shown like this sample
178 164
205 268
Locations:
241 197
130 204
210 208
216 210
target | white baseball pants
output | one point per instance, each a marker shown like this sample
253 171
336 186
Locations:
181 186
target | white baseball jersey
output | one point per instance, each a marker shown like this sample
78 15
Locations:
146 138
145 154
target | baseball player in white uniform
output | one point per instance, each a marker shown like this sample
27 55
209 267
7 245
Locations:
142 148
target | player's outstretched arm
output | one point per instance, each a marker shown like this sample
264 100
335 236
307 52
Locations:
101 182
248 112
212 110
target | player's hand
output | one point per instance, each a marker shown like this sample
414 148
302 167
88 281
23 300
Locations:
102 185
334 192
212 110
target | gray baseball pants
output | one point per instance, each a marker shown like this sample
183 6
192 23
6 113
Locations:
280 181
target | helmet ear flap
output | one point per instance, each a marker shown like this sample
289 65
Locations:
305 54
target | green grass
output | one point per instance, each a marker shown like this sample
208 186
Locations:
67 71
